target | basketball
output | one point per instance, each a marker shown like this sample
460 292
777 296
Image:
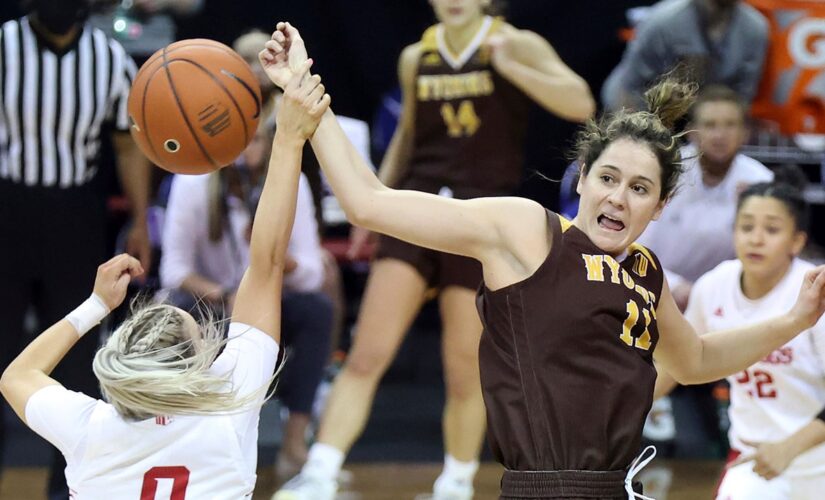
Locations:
194 106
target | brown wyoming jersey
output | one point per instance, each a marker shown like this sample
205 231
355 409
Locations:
566 357
470 122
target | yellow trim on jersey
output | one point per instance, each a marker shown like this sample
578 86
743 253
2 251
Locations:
565 224
429 42
636 247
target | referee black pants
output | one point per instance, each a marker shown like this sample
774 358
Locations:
51 242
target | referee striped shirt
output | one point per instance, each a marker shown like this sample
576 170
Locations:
53 104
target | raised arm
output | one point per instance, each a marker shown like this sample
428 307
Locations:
530 63
258 300
30 370
692 359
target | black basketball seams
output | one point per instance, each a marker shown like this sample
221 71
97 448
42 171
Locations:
165 66
223 87
143 112
248 89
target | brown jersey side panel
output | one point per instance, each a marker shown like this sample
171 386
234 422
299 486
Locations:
566 357
470 122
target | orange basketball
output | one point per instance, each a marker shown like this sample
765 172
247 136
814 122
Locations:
194 106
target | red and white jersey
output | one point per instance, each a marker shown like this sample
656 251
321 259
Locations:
785 391
166 457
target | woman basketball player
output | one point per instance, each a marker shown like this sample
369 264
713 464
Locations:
777 404
466 91
572 310
174 410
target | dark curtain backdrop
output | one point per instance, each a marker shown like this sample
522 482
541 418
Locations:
356 43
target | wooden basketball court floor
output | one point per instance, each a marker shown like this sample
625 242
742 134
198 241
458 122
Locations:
664 480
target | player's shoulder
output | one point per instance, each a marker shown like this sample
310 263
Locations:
800 267
723 274
410 55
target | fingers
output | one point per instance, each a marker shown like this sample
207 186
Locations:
119 264
298 76
752 444
321 106
312 90
744 458
818 280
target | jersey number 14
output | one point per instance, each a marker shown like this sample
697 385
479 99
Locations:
461 121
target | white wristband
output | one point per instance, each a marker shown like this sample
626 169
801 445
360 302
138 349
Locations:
88 314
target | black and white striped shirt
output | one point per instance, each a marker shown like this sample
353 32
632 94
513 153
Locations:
53 104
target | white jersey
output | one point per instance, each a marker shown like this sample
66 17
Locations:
785 391
703 215
162 458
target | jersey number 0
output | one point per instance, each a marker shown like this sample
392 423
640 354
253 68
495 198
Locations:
180 480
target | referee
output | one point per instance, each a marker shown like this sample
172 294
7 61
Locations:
62 84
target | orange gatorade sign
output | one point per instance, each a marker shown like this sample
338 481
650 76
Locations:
792 91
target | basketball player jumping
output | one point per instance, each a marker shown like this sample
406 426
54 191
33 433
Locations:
467 87
174 410
572 310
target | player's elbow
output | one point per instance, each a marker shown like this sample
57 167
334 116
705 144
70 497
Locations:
583 105
6 380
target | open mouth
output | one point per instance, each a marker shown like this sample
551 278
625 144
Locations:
755 257
609 223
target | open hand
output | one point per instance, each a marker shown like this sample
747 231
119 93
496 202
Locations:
283 54
113 277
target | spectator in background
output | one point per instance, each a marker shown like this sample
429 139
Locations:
703 209
143 26
713 41
205 251
65 86
695 232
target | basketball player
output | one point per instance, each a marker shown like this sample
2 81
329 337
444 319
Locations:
573 310
174 416
466 89
777 404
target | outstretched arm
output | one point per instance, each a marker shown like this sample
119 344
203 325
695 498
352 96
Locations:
530 63
481 228
692 359
258 300
30 370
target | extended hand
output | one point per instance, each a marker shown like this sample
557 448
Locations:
303 105
283 54
501 48
810 305
769 459
113 277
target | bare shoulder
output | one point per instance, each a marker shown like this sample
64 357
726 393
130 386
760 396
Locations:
408 60
525 239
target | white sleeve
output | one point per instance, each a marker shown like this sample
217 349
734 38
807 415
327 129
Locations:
695 312
180 224
250 355
61 417
305 245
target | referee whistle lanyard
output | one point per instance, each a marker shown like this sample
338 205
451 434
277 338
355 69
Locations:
638 464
